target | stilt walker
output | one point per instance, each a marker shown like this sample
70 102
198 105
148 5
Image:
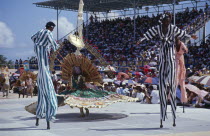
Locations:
47 100
167 83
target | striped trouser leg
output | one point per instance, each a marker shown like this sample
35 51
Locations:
51 102
41 105
47 103
162 90
172 88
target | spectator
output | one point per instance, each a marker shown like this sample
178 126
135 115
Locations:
54 79
140 95
155 99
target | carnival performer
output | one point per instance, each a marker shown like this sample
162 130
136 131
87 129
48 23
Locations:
78 70
54 79
29 84
47 101
5 84
180 68
167 84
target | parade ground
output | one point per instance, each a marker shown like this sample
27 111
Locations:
98 53
119 119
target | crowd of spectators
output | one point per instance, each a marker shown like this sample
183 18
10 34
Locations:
146 93
198 57
67 48
32 63
114 39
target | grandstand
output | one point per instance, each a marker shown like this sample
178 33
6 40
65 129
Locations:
101 5
120 7
121 52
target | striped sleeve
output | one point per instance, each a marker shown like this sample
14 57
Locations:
151 33
181 33
54 45
34 37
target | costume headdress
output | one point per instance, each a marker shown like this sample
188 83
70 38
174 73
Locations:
165 15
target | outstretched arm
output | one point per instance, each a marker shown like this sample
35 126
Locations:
140 40
150 34
194 37
181 34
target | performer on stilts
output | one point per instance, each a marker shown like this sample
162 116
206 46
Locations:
167 82
47 100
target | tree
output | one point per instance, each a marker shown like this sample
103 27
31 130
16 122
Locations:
3 61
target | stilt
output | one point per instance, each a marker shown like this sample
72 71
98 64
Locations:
174 124
48 124
161 123
82 112
87 111
37 121
183 107
7 94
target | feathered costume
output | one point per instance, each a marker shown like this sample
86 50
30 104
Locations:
79 95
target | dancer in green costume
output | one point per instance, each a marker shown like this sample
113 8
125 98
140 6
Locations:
78 70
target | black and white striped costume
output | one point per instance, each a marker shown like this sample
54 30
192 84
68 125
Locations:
167 85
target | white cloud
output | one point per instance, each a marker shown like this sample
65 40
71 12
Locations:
6 36
64 27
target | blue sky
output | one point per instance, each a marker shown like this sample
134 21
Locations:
20 19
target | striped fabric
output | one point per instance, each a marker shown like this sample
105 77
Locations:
167 68
47 100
